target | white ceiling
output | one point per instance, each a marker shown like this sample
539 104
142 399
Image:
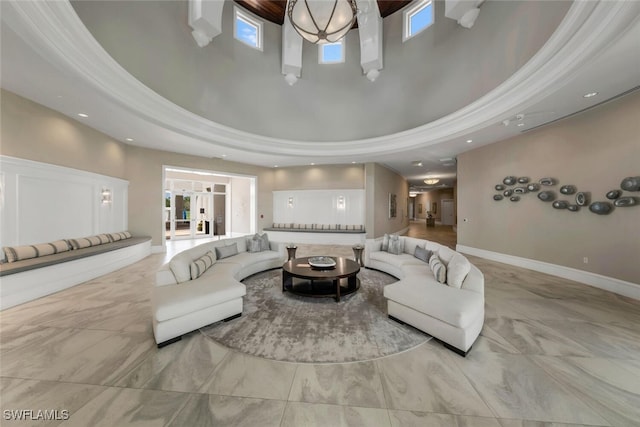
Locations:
48 56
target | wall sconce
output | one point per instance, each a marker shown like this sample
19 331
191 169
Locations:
340 202
290 202
201 210
105 196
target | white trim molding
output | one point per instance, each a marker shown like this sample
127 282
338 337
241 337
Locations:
621 287
56 32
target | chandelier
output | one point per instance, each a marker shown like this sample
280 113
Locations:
431 181
322 21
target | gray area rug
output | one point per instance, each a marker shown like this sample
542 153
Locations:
283 326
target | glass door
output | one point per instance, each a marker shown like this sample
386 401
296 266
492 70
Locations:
184 223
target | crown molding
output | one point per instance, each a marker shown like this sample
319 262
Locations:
55 31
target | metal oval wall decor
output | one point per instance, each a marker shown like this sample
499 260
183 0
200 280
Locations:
560 204
582 198
631 183
601 208
616 197
546 196
613 194
509 180
624 202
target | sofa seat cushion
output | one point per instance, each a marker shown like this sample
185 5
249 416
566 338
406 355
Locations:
247 258
395 260
206 291
456 307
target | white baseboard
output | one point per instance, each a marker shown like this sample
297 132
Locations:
621 287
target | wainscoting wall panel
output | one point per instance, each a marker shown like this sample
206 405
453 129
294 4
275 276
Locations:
40 202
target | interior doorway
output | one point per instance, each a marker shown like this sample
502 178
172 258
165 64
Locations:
447 216
198 204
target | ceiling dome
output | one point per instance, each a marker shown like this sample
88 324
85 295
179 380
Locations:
424 79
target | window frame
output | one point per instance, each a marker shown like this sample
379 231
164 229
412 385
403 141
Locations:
343 49
251 20
410 12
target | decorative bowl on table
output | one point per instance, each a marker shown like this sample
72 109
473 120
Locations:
322 262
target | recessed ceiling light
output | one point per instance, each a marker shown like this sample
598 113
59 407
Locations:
520 124
589 95
446 159
353 163
469 141
83 115
129 139
312 164
275 166
223 155
417 163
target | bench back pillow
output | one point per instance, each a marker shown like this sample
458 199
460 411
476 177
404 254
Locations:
396 245
17 253
422 254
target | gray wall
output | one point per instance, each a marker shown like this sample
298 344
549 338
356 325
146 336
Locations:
379 183
593 151
425 78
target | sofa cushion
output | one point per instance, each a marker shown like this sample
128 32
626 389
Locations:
446 254
180 266
438 268
422 254
457 270
396 245
202 264
395 260
180 300
456 307
223 252
17 253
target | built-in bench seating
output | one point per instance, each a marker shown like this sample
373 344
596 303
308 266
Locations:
29 272
318 233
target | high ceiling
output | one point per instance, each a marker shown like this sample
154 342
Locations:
274 10
127 65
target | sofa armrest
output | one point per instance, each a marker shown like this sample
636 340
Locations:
164 276
280 248
371 245
474 281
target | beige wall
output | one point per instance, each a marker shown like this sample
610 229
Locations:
144 172
319 177
593 151
33 132
380 182
427 199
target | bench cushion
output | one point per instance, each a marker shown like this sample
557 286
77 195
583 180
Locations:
456 307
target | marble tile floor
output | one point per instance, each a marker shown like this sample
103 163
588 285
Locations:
552 353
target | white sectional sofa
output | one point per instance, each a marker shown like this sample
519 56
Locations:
453 315
181 305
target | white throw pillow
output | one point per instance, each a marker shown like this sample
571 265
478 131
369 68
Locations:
438 268
396 245
385 243
202 264
457 270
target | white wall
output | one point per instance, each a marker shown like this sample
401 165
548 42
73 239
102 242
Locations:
319 207
40 203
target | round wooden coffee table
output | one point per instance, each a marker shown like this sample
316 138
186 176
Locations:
320 282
